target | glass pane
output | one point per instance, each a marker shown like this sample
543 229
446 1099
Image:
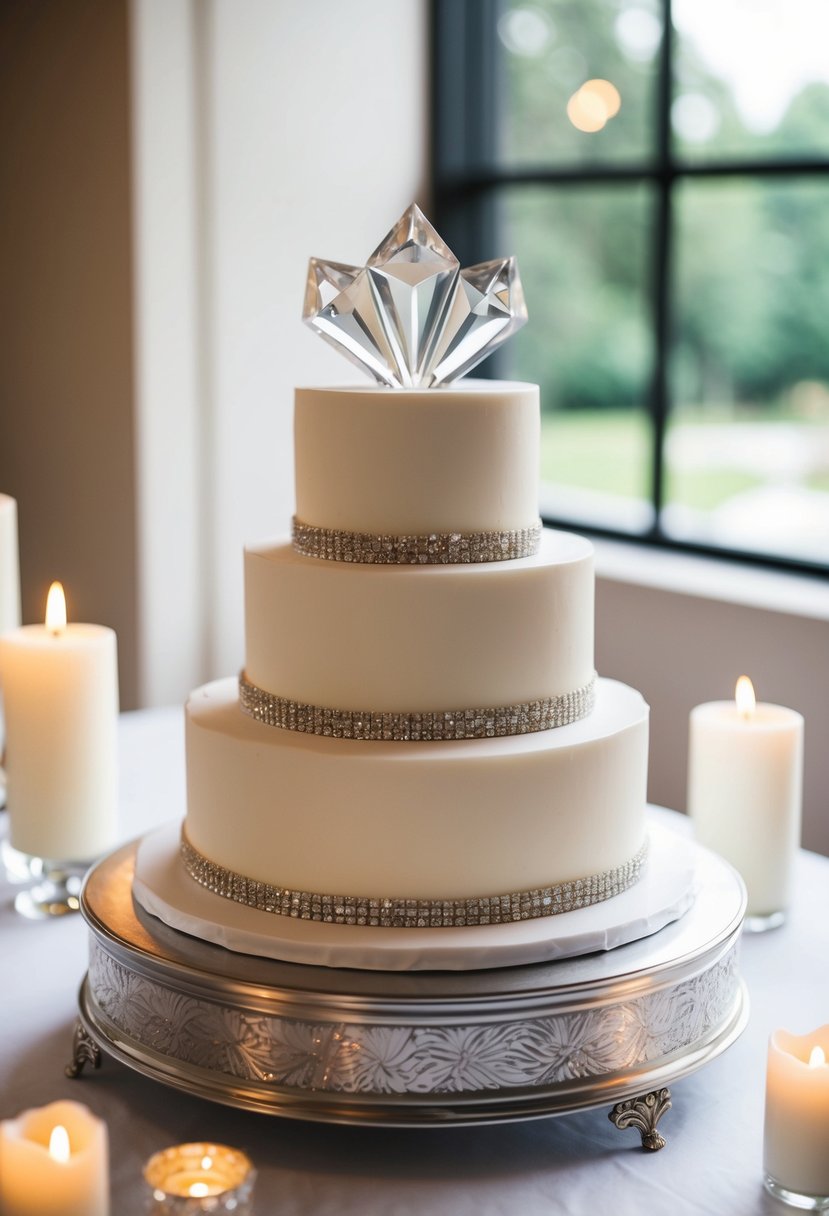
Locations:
752 79
747 451
578 79
583 257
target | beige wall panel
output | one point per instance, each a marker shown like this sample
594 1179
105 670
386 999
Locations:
66 425
681 650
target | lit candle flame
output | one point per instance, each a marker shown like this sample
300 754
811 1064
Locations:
207 1163
56 609
817 1057
59 1142
199 1189
744 695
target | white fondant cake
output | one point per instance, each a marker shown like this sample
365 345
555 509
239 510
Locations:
455 818
428 727
420 637
463 459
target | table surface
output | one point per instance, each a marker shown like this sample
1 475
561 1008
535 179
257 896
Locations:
574 1164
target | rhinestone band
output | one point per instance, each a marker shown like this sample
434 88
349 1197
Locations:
392 913
430 549
523 719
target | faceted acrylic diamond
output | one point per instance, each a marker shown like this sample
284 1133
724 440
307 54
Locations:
487 308
340 307
414 275
325 282
411 317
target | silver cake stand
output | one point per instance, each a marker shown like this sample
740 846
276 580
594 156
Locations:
413 1048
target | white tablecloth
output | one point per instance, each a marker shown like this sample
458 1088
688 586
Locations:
578 1164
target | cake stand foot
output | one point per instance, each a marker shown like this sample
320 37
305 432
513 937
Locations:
84 1051
643 1114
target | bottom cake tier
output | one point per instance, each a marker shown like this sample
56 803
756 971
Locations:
449 820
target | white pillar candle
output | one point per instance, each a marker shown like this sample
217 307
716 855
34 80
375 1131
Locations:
60 686
44 1172
796 1141
9 566
745 779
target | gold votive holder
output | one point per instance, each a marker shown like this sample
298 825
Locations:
187 1179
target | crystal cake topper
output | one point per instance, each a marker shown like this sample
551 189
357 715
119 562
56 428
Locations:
411 317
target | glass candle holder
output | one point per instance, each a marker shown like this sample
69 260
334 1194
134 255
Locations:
187 1179
57 886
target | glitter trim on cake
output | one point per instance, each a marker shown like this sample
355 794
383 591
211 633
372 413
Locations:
390 912
402 727
427 549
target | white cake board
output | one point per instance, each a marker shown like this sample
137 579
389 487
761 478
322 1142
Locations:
663 894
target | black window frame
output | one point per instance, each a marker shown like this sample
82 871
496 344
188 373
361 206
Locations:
465 84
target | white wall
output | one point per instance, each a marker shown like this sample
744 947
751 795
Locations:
302 131
172 628
317 128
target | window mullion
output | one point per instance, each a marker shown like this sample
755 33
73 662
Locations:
661 268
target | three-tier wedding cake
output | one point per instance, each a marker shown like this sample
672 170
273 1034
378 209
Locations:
418 738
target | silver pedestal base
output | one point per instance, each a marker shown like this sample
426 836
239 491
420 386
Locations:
405 1049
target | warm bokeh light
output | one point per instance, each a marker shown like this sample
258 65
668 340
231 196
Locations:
817 1057
199 1189
207 1163
56 609
586 116
745 698
592 105
59 1139
607 94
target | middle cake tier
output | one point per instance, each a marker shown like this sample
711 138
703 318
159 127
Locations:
419 639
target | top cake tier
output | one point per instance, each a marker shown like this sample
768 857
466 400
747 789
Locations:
462 459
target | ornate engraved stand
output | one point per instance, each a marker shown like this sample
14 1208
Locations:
404 1048
644 1114
84 1051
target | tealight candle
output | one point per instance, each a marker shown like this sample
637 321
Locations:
182 1176
60 684
745 778
54 1162
796 1140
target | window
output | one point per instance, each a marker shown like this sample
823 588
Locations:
661 169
